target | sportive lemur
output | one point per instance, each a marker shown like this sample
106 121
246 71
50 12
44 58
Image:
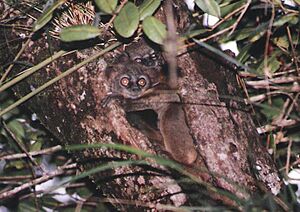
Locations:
135 75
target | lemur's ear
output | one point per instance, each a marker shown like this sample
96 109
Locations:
108 71
120 59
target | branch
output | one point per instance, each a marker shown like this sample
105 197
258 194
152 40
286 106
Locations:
59 171
35 153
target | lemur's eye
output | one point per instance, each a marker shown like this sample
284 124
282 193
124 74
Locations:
125 81
142 82
153 56
138 60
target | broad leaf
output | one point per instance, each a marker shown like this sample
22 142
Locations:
17 128
273 64
47 15
209 6
154 29
225 10
222 54
290 18
127 21
272 111
107 6
194 33
282 42
79 32
148 7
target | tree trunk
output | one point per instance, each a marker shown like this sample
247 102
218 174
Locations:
229 153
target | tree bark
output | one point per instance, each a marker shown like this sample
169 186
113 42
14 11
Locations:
230 154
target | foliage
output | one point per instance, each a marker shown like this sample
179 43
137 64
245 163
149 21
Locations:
267 36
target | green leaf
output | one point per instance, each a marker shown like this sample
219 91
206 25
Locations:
47 15
290 18
127 21
244 54
26 206
107 6
282 42
273 64
36 146
17 128
79 32
251 33
154 29
225 10
121 147
272 111
242 34
148 7
222 54
209 6
194 33
18 164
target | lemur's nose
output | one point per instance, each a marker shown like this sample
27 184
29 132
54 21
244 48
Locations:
135 88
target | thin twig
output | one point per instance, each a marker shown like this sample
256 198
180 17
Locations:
294 104
20 27
240 17
214 27
288 157
59 171
15 178
35 153
266 51
294 54
16 58
20 145
26 73
280 116
283 124
116 13
261 97
234 12
278 80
